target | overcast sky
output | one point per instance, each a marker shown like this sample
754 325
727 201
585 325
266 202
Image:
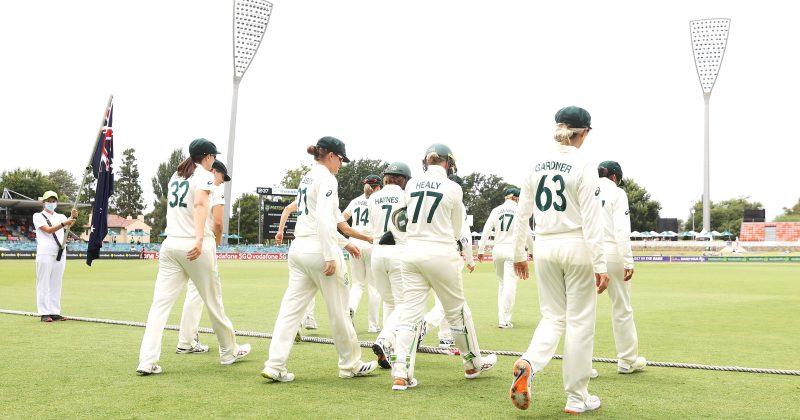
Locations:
390 78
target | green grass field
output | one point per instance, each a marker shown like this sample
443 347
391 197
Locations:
717 314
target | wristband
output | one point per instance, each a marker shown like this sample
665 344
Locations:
62 225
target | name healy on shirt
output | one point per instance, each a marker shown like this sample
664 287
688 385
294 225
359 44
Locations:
553 166
427 184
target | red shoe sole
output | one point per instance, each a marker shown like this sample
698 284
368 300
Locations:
519 393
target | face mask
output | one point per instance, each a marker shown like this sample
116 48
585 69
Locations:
50 206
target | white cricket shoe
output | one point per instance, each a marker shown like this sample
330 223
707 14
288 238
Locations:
505 325
148 370
277 376
488 362
402 384
197 348
243 351
364 370
639 364
310 323
594 374
373 329
446 343
591 403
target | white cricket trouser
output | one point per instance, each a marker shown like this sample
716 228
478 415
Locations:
438 266
174 270
622 323
49 274
361 276
388 279
190 317
567 301
312 305
503 256
435 319
305 278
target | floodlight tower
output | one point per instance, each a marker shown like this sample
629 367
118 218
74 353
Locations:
709 39
250 18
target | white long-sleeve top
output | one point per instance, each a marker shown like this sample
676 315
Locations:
561 193
358 209
318 207
501 221
434 208
466 239
382 205
617 232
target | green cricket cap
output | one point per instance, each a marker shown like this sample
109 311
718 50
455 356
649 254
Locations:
200 147
511 191
220 167
575 117
612 168
332 144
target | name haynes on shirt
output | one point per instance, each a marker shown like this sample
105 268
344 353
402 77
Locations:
381 200
553 166
307 180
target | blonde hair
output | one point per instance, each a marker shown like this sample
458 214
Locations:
565 133
368 190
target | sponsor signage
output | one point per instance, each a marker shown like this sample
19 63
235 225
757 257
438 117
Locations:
650 258
687 259
276 191
73 255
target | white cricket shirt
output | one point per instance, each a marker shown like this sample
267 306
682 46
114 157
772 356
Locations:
617 232
434 206
180 203
561 192
382 205
318 213
358 209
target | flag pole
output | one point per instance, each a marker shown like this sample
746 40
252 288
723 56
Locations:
87 169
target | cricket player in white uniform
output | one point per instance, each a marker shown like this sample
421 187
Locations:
500 221
315 263
386 253
361 268
188 337
431 260
561 192
435 317
309 321
617 246
50 228
189 251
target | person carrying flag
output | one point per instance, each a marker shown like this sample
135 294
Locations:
50 227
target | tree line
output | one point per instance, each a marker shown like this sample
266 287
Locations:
482 192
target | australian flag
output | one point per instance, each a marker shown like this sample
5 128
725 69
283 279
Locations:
103 172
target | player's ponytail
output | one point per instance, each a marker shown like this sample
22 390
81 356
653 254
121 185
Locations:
186 168
565 133
368 190
317 152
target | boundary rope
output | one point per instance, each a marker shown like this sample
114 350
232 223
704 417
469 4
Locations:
427 349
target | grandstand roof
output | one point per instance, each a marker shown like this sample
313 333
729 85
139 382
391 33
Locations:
32 204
